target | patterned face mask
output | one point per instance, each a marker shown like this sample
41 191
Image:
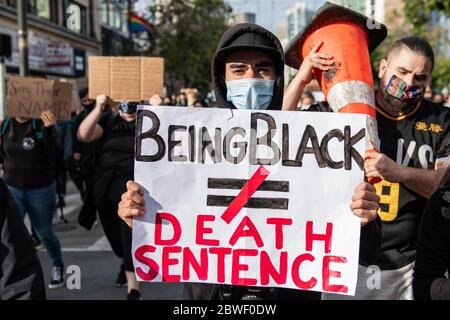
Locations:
399 89
128 107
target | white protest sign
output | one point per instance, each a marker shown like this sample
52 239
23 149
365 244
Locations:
248 198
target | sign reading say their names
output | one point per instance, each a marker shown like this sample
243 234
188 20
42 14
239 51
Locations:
27 97
249 198
126 78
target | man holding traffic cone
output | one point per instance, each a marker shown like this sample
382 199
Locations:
334 47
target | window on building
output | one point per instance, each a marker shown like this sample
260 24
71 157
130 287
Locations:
12 3
301 18
291 26
104 12
124 23
112 14
44 9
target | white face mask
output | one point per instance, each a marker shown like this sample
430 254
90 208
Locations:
250 93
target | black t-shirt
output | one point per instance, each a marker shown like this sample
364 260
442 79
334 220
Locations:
415 141
116 150
433 245
28 159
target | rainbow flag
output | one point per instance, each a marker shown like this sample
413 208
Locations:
138 23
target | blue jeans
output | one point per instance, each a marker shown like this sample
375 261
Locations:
40 205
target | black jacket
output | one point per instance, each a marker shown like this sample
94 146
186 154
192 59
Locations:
20 270
433 249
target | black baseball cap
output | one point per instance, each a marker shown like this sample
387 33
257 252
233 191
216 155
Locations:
249 41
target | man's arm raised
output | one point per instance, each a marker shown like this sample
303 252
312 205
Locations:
304 76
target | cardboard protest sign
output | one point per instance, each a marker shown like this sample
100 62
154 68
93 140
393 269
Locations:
76 103
27 97
126 78
249 198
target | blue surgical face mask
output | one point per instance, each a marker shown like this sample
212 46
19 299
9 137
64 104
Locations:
250 93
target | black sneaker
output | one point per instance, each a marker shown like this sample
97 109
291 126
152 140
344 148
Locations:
36 242
134 295
121 280
57 278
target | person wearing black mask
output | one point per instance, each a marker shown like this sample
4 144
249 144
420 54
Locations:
114 166
248 73
82 170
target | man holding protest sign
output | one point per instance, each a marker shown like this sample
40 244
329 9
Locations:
411 130
28 148
248 74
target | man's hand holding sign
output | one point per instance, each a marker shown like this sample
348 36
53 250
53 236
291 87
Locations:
258 199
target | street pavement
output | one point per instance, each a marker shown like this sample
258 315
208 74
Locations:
98 266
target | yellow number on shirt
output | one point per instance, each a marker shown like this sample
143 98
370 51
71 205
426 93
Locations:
389 194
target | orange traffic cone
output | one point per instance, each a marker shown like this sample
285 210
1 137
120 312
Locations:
349 37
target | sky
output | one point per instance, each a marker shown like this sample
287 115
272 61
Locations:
268 12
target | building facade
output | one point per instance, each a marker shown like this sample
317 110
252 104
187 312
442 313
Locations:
243 17
61 36
116 39
297 17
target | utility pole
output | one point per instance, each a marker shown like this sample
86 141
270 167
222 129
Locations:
5 52
130 35
2 86
22 11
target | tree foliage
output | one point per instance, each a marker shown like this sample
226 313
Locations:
186 35
419 15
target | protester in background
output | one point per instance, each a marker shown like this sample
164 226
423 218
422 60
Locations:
83 153
438 99
167 101
428 92
408 124
446 94
20 270
433 247
307 99
64 156
248 73
182 101
155 100
29 149
114 166
174 98
200 104
191 98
